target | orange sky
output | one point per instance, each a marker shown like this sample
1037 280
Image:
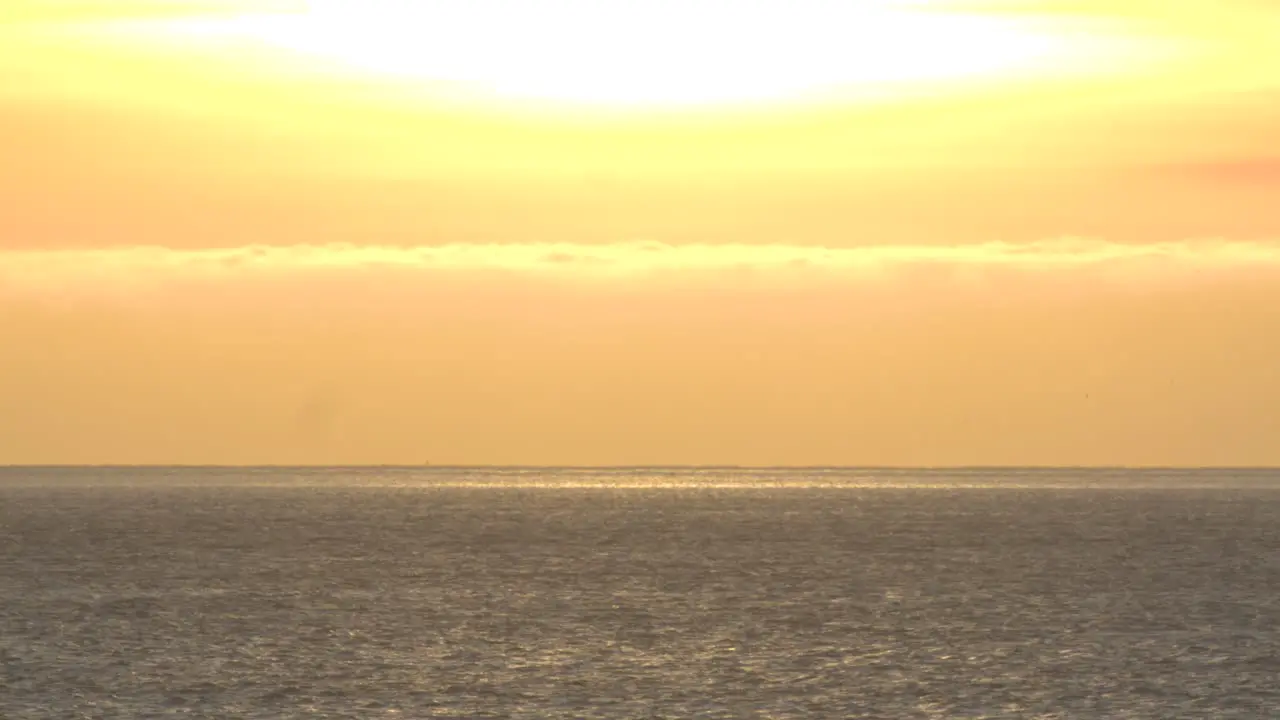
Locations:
1019 232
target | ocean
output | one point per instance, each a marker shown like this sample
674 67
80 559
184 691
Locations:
639 593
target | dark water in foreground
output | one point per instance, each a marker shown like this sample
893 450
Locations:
639 594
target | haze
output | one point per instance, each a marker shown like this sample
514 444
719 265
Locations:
1037 232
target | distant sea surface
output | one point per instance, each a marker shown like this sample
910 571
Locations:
638 593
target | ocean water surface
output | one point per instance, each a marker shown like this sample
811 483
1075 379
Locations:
638 593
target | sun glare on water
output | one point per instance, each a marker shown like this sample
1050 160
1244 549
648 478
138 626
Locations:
656 54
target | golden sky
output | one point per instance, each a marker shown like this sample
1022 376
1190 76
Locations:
903 232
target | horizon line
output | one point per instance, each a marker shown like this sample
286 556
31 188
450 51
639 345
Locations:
673 466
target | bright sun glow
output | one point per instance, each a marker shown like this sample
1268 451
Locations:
659 53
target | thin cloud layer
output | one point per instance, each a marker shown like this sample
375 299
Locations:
119 270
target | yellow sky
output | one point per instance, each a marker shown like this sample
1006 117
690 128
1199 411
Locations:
882 232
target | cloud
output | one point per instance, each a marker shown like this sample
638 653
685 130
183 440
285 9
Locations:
122 272
1261 171
630 258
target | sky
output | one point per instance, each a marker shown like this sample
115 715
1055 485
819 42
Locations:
887 232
